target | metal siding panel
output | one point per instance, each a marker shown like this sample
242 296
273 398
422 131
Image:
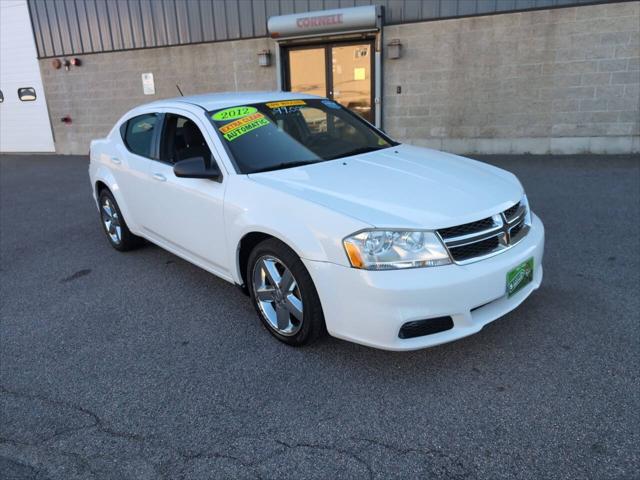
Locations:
124 24
412 11
316 5
544 3
286 7
113 17
260 18
486 6
505 5
83 23
245 16
74 26
169 12
104 26
219 17
54 28
38 28
65 28
448 8
272 8
524 4
300 6
91 17
185 35
330 4
208 21
233 18
467 7
158 23
148 25
394 11
193 20
135 23
430 9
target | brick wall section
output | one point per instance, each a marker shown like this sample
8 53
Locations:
107 85
562 81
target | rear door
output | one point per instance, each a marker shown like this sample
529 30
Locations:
130 164
187 213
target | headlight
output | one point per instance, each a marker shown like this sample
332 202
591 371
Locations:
391 249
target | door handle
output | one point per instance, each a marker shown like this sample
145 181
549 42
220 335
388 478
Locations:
159 177
116 160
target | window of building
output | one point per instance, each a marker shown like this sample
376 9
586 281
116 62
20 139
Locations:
27 94
137 134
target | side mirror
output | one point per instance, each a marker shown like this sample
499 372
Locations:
196 168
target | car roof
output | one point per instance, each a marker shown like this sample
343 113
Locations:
215 101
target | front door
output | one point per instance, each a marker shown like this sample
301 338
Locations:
186 216
341 71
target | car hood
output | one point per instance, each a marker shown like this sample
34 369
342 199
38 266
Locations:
402 187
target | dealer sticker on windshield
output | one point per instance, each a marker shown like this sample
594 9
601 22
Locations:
285 103
519 277
233 113
236 129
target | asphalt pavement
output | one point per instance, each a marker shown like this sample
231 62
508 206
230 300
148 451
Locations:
142 366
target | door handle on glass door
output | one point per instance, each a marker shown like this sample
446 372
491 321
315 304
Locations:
159 177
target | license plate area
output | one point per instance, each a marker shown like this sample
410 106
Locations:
519 277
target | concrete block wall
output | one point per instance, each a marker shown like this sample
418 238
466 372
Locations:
549 81
96 94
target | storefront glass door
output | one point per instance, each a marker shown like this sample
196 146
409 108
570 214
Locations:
342 72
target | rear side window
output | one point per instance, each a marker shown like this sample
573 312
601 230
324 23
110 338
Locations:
138 133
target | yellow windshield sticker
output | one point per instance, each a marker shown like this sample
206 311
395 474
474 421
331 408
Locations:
286 103
233 113
242 121
246 128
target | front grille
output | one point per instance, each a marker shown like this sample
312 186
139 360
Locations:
473 241
511 212
467 228
476 249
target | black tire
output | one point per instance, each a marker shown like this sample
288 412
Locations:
125 240
312 326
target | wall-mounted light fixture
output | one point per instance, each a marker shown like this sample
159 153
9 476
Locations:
66 64
264 58
56 63
66 120
76 62
394 49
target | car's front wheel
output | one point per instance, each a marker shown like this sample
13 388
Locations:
283 294
113 224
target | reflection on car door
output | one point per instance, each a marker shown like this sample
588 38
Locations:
187 213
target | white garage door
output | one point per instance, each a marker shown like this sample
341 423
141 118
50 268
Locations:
24 121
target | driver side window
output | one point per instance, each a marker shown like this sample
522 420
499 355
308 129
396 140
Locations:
183 139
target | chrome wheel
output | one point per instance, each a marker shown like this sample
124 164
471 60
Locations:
277 295
111 221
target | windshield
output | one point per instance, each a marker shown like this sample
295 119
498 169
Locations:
283 134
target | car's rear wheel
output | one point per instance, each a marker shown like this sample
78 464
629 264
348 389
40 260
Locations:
113 224
283 294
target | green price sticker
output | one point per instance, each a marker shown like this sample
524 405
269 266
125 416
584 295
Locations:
233 113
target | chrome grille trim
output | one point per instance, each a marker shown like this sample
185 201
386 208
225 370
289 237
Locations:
509 228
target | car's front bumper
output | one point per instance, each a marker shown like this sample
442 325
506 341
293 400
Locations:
369 307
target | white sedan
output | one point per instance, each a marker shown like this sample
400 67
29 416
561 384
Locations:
326 222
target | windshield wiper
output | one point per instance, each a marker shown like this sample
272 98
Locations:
357 151
280 166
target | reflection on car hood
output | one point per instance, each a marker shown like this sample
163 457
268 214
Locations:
402 186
